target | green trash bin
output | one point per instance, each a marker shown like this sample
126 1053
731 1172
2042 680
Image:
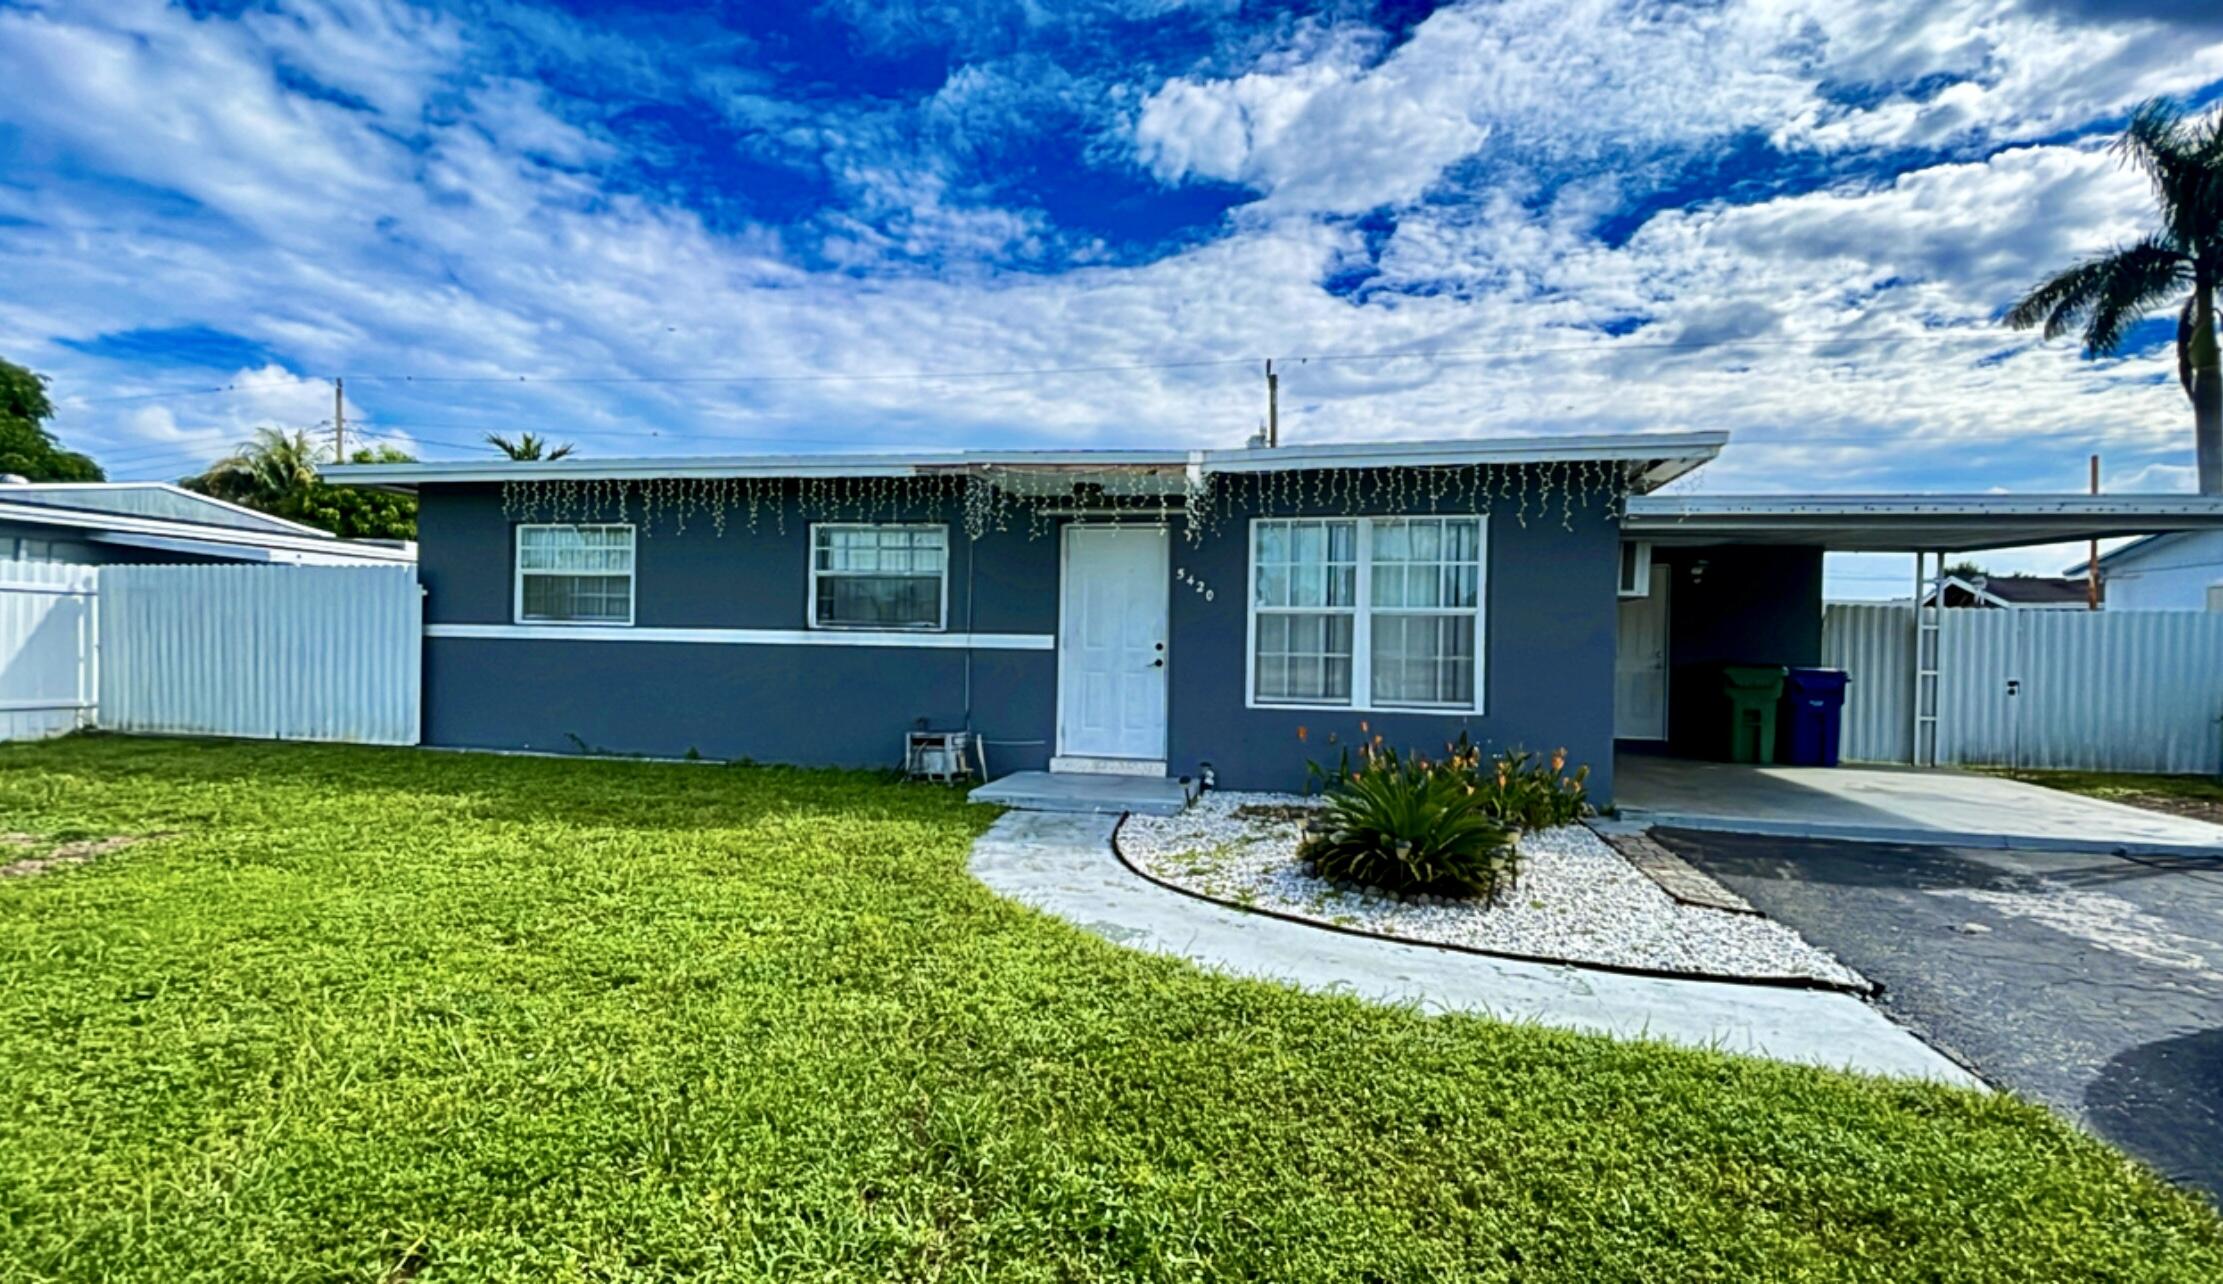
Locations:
1751 692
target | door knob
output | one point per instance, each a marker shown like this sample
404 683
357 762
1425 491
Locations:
1158 663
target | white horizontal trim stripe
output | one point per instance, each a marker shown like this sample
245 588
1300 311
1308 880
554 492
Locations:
749 637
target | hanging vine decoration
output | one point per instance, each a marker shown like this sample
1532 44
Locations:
994 499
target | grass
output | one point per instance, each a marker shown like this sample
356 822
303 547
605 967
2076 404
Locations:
2198 796
384 1015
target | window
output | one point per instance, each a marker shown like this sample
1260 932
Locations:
1367 613
575 574
1304 587
878 577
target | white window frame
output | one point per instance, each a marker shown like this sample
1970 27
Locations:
518 574
1362 624
810 588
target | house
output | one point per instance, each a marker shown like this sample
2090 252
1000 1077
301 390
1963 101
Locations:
99 523
2012 592
1232 613
2171 571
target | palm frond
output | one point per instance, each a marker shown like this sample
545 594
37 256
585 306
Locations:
2184 162
2144 276
2102 296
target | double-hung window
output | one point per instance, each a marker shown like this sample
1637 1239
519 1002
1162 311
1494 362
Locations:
881 576
1367 612
570 574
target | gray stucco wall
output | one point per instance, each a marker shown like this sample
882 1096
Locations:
1547 664
1548 654
838 705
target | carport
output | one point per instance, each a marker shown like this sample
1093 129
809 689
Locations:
1738 579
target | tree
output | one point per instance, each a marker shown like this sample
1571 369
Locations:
26 447
526 446
276 473
2105 295
1967 570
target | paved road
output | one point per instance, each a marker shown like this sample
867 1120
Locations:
2091 983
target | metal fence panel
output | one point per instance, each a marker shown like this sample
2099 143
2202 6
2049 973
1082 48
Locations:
272 652
2074 690
46 648
1874 643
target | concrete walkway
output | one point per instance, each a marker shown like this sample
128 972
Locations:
1064 864
1895 805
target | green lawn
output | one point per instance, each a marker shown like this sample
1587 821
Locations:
364 1014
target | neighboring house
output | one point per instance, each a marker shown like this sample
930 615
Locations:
1246 611
2013 592
2172 571
96 523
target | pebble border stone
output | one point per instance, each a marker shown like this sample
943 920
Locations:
1576 901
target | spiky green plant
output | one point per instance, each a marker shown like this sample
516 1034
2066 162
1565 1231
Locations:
1404 824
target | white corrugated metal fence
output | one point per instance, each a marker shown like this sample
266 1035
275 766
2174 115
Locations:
1875 644
46 648
273 652
2080 690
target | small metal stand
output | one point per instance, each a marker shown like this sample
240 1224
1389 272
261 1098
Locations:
945 756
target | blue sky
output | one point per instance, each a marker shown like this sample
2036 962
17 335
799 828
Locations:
663 228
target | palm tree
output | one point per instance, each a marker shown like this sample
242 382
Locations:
526 446
2104 296
272 473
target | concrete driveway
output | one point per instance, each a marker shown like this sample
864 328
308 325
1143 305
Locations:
1893 804
2092 983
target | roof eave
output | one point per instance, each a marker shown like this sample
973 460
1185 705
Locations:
1662 457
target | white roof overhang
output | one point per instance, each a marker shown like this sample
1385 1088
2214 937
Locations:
1647 459
1911 523
150 532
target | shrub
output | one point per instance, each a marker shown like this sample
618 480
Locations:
1524 788
1404 824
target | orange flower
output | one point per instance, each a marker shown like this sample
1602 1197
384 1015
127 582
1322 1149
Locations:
1300 733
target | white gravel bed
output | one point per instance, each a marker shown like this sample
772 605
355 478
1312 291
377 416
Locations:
1576 899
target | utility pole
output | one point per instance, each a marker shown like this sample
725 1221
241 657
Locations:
1273 405
2091 556
339 420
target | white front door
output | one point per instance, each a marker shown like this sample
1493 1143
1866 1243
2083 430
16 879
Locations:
1640 665
1111 686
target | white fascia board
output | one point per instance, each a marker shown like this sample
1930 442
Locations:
1671 454
64 488
228 540
1684 507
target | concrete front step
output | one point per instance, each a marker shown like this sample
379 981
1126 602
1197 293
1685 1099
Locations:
1087 792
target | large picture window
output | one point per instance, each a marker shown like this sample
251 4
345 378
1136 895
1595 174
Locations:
1367 612
878 576
575 574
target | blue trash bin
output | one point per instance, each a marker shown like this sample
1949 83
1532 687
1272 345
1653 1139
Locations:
1813 717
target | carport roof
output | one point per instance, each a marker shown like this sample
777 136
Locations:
1912 523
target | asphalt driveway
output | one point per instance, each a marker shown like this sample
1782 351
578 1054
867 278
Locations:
2091 983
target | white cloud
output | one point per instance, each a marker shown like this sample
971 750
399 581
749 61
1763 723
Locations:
462 227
